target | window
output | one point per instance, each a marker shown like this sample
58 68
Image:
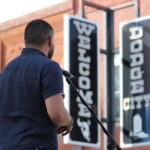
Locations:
117 86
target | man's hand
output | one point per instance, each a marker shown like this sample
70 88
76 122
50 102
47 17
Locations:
64 130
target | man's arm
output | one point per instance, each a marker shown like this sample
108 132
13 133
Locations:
52 93
58 114
56 110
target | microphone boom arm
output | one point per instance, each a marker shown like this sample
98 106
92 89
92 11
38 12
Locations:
113 144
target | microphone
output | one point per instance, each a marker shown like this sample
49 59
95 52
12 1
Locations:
68 74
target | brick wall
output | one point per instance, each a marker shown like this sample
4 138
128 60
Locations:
11 38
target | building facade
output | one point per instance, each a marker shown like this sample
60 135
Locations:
12 42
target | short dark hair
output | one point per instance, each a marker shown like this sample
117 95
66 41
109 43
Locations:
37 32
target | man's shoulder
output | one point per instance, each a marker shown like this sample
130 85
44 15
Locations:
13 61
44 61
52 65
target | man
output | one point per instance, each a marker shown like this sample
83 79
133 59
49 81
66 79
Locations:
31 95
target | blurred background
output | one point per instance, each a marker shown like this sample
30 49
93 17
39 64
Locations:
15 14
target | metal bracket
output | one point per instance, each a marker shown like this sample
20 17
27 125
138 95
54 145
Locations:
105 120
102 51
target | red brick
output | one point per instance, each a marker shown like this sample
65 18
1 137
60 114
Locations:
11 39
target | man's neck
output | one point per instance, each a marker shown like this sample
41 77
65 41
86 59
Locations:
40 48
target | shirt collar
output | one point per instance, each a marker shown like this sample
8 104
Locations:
32 51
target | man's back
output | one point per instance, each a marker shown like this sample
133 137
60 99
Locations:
23 87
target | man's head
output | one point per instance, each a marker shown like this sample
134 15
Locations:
39 33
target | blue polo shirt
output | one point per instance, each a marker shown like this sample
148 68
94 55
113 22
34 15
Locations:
24 85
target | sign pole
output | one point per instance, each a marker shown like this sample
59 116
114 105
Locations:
109 66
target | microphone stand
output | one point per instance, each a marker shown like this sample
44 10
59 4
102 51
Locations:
69 78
